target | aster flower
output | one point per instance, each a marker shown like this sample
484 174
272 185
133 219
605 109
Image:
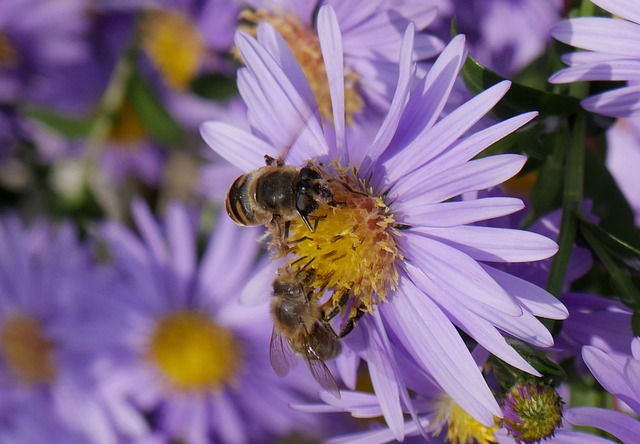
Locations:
414 260
44 276
495 45
611 54
618 374
371 38
38 38
185 353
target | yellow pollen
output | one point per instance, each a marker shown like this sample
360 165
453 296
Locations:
174 45
305 46
461 427
193 353
353 248
8 56
127 129
26 350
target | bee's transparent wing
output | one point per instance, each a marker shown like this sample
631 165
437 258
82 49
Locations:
281 357
322 374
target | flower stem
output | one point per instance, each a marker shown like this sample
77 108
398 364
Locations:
571 206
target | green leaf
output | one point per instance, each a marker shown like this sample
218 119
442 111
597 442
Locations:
624 253
215 87
71 127
605 246
519 98
158 123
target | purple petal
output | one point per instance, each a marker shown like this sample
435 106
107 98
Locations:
458 274
295 124
150 231
181 242
620 102
537 300
621 8
437 346
390 123
331 46
619 424
429 186
258 289
600 34
443 134
635 348
494 244
449 214
238 147
607 369
611 70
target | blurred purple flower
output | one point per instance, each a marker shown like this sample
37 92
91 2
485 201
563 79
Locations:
44 277
185 352
495 45
619 375
611 46
371 38
418 249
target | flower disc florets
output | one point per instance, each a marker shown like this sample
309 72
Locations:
532 412
353 248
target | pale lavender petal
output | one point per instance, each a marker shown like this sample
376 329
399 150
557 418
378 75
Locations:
469 147
611 70
600 34
494 244
296 121
331 46
236 146
259 287
620 102
280 51
607 369
632 375
390 123
434 141
359 404
379 436
437 186
181 241
622 8
478 328
150 231
385 383
635 347
438 347
537 300
589 58
449 214
457 273
561 436
619 424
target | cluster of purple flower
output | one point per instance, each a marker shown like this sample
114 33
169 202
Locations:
134 310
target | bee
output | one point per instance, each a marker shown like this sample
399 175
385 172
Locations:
277 193
296 321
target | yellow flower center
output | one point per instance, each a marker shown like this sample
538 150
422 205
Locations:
193 353
8 56
174 45
305 46
535 412
353 247
127 129
26 350
461 427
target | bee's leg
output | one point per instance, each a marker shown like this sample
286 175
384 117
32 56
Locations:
270 160
285 234
351 322
305 219
330 310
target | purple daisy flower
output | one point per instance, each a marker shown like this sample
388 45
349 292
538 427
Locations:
396 240
37 38
619 375
185 352
44 277
371 38
611 54
495 45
